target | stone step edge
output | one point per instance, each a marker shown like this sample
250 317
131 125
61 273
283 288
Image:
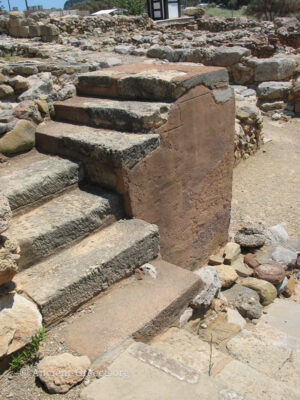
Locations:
152 237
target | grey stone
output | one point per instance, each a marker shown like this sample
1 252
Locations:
63 220
110 147
287 258
226 56
245 300
274 69
66 92
42 177
282 286
250 237
273 90
110 62
211 288
131 116
89 267
266 291
39 84
5 213
9 254
276 234
222 95
122 49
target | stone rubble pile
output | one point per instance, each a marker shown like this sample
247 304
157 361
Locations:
249 273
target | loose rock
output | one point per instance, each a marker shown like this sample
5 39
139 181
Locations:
266 291
60 373
245 300
211 289
272 273
227 275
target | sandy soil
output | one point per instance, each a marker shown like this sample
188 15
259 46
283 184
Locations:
266 186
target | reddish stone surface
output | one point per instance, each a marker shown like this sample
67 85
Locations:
272 273
184 186
251 261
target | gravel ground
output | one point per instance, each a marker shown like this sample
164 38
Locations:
266 186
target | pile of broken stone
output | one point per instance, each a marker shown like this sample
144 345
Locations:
20 319
248 274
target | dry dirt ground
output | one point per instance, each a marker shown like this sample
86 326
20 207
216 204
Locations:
266 186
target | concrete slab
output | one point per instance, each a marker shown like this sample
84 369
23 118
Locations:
139 308
281 323
144 374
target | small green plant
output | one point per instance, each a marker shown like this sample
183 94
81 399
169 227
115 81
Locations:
29 353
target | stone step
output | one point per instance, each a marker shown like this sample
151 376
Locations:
131 116
88 144
136 307
140 372
63 220
62 283
35 176
254 384
165 82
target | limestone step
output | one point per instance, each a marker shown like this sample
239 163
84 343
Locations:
141 372
135 307
165 82
63 220
131 116
62 283
254 384
34 176
101 145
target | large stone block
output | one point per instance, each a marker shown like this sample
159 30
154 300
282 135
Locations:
274 69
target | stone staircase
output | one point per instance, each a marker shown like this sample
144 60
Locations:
81 201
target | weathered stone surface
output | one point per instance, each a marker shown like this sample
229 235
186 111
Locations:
36 176
19 321
227 275
188 349
211 288
225 56
39 84
273 90
290 287
60 373
194 11
19 83
89 267
276 234
121 115
62 220
287 258
219 330
245 300
5 213
20 138
231 252
273 273
249 238
6 92
234 317
274 69
250 260
215 260
253 384
241 268
266 291
9 254
102 146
